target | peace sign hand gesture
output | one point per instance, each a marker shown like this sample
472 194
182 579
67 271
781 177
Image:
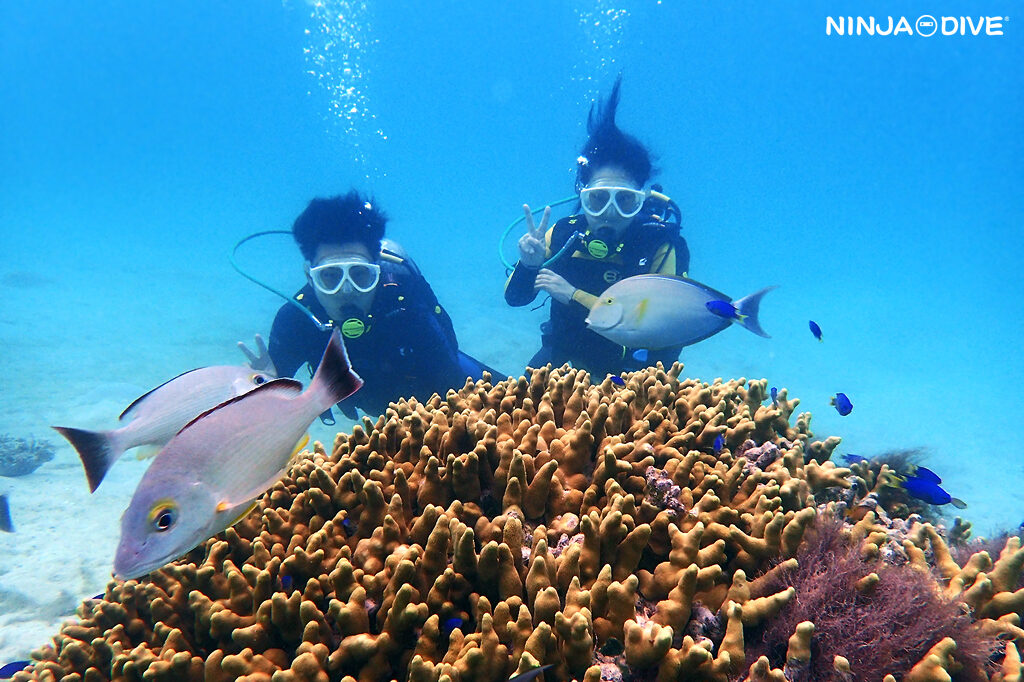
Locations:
531 244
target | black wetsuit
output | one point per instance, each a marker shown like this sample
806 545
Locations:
593 266
404 346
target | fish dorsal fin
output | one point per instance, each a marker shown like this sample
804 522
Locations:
276 384
135 403
714 293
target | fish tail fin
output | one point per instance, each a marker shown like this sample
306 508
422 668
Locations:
98 450
6 524
334 379
748 308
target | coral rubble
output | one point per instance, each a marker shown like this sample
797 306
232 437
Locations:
546 520
20 456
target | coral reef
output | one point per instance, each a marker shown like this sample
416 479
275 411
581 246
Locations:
546 520
20 456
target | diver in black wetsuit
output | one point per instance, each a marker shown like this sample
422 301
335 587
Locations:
399 338
623 231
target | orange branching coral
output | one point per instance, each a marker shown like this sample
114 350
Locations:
535 521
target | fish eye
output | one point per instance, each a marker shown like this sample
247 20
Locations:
162 517
259 379
609 300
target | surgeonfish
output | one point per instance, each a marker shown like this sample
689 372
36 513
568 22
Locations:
660 311
815 329
154 417
209 475
6 524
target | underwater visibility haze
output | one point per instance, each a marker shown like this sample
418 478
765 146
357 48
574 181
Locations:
877 180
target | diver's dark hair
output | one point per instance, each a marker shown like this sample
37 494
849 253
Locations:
339 220
609 146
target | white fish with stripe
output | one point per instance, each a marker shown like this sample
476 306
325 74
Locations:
154 417
209 475
660 311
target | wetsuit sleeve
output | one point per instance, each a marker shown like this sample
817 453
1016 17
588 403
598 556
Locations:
519 289
584 298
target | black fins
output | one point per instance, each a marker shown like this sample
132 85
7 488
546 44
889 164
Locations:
6 524
94 449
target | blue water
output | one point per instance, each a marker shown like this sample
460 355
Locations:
878 180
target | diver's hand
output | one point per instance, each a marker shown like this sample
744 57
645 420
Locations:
555 285
531 244
260 360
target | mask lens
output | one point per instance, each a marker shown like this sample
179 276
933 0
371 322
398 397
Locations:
628 201
364 276
596 200
328 278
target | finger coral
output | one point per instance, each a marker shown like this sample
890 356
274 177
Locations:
537 521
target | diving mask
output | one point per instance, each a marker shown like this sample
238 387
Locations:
331 276
627 201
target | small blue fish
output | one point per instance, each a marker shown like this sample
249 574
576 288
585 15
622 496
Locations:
815 329
531 674
930 492
617 380
854 459
640 355
349 526
775 397
719 443
286 583
8 670
451 624
842 404
925 474
724 309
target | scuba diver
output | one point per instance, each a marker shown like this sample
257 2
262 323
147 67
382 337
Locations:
399 338
623 231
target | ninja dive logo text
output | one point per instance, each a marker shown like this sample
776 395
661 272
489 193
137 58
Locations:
925 25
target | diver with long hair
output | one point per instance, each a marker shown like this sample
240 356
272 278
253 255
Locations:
623 230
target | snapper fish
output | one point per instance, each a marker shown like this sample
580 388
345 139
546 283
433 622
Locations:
209 475
154 417
660 311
